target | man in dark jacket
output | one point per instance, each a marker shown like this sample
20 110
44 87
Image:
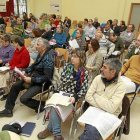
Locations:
96 23
67 22
115 27
41 71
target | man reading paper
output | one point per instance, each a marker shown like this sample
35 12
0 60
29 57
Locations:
106 93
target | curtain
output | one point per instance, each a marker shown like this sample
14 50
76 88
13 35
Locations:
9 8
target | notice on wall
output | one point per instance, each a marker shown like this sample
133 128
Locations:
2 5
54 6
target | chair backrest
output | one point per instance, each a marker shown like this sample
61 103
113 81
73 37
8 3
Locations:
8 24
74 22
8 29
137 33
29 23
39 25
27 42
63 51
81 22
71 31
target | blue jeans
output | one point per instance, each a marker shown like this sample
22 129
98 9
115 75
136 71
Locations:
54 122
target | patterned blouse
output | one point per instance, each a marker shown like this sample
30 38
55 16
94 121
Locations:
69 84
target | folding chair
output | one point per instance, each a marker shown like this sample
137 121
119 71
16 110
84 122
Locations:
81 22
8 29
29 23
8 24
27 42
74 23
71 31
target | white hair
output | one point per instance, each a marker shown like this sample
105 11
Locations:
48 26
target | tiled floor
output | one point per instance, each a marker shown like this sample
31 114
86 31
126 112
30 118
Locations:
24 114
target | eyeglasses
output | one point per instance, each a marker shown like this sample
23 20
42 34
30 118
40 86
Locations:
74 56
77 33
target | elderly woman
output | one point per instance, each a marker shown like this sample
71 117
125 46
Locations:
21 59
80 40
74 79
128 35
32 47
6 50
59 37
48 33
79 26
94 59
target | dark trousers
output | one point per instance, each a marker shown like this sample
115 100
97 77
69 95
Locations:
26 98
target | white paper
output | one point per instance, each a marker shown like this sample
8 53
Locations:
73 43
130 86
19 72
4 68
28 31
87 38
51 43
104 122
115 53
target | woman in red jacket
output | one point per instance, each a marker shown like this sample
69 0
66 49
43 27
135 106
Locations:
21 59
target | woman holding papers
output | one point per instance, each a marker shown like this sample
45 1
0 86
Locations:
80 40
21 59
74 79
94 59
32 47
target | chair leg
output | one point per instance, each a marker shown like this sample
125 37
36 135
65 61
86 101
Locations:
44 118
74 114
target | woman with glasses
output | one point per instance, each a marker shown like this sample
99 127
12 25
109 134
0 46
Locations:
80 40
94 59
74 79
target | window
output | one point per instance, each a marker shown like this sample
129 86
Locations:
20 6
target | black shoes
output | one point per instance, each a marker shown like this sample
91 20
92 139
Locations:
2 91
6 113
4 97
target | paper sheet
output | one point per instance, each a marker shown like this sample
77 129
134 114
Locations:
19 72
4 68
73 43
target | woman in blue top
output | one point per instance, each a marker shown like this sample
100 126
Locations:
79 26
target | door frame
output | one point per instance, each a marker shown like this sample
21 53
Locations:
131 9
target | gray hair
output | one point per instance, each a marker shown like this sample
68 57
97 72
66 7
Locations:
115 64
116 20
48 26
107 24
44 42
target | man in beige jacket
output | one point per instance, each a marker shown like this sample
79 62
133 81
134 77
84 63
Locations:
107 91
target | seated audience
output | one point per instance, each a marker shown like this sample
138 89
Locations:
79 26
96 23
106 47
107 30
115 27
67 22
131 70
109 22
48 33
51 19
59 37
6 50
12 16
21 59
25 18
30 16
134 51
74 79
2 24
56 22
128 35
106 92
65 29
14 21
94 59
99 28
44 22
131 46
17 30
123 27
1 20
28 31
32 47
54 16
42 71
80 40
119 46
90 29
85 23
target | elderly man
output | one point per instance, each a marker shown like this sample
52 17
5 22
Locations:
128 35
107 30
134 51
41 71
119 46
67 22
115 27
90 29
104 45
106 92
17 30
96 23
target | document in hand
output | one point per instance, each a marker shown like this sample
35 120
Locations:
73 43
4 68
115 53
19 72
61 104
104 122
52 43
